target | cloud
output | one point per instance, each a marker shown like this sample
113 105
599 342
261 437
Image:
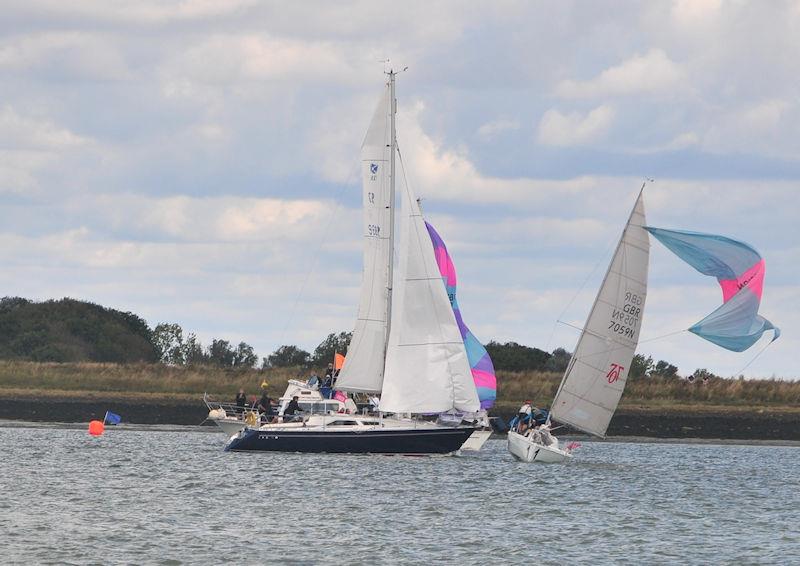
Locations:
19 132
695 13
490 130
225 58
65 54
563 130
652 72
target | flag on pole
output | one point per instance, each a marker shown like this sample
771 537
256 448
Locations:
111 418
338 361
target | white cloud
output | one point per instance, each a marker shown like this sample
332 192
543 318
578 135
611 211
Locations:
559 129
261 57
652 72
696 13
490 130
20 132
83 55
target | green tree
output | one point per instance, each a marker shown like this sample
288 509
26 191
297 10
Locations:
558 361
244 356
67 330
323 354
220 353
516 357
168 340
286 356
665 369
193 353
641 366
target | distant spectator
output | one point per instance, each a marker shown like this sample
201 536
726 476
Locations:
293 407
241 401
265 407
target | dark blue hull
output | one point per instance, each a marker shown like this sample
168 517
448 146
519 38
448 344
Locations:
380 441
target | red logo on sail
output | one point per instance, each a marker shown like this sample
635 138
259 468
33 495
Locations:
613 373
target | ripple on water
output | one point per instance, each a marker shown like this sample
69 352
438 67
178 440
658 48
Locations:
176 497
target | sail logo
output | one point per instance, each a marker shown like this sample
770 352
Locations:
373 168
614 373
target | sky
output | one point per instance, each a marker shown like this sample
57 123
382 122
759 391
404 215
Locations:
198 161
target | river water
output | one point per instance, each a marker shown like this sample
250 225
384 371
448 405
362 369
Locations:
174 497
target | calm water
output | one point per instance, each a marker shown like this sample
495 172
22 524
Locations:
175 497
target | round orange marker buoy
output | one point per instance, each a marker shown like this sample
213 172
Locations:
96 428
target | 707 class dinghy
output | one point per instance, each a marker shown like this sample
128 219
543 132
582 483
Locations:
406 345
596 375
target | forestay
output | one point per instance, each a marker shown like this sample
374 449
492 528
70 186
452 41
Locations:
427 370
363 368
597 373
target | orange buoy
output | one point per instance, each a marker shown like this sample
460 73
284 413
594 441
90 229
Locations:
96 428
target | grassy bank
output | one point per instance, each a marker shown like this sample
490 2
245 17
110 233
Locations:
153 381
159 382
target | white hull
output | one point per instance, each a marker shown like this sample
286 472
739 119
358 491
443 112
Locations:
476 440
524 449
229 425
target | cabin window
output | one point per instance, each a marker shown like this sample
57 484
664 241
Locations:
343 423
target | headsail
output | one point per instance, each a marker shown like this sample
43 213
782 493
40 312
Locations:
596 375
736 324
363 370
480 363
427 370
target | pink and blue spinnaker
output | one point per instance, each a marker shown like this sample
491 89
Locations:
479 360
736 324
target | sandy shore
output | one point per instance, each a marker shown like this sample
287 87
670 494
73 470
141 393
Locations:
681 423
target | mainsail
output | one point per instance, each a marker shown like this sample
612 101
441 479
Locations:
596 375
739 268
479 361
427 370
363 369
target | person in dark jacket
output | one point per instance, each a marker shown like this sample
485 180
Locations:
241 401
293 407
265 407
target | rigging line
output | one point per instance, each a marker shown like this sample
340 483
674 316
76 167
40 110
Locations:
313 265
747 365
663 336
575 296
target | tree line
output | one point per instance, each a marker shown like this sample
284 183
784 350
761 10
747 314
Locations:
68 330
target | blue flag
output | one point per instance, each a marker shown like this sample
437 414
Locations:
112 418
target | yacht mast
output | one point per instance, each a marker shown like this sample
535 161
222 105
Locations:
392 203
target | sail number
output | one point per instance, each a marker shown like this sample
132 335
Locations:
633 299
374 230
625 320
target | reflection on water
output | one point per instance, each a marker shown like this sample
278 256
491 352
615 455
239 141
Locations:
175 497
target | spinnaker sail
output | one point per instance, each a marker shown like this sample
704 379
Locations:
735 325
480 363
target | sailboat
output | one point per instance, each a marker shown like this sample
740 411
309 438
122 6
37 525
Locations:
596 375
406 345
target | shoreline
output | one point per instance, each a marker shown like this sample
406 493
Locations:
677 423
209 428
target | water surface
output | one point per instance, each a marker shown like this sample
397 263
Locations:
173 497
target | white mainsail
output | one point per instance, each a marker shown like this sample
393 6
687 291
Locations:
596 375
363 368
427 370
